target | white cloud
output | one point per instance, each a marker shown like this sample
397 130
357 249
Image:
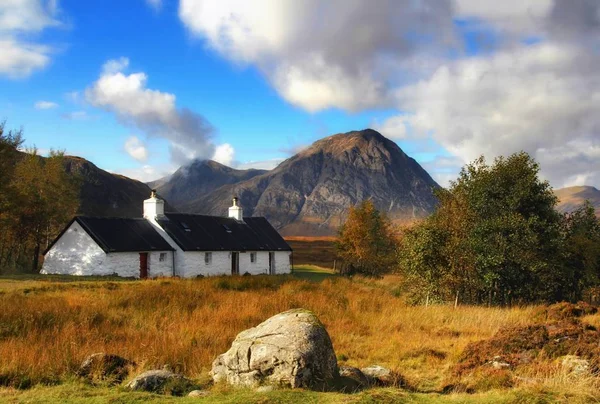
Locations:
260 165
521 16
27 15
146 173
114 66
45 105
536 87
542 99
20 57
136 148
224 154
322 55
153 111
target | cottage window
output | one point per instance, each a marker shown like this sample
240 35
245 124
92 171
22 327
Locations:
253 257
207 258
162 257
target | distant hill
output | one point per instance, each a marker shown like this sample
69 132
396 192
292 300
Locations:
105 194
309 194
571 198
194 181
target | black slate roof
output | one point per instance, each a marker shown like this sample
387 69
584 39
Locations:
215 233
120 234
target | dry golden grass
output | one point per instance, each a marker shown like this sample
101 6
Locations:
47 328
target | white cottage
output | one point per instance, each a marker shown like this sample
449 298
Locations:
169 244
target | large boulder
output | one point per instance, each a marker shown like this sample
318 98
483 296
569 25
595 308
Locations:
290 349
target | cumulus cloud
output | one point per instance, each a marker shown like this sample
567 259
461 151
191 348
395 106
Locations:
535 88
20 59
136 148
153 111
18 18
224 154
146 173
542 99
342 53
45 105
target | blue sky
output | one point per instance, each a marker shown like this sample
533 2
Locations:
140 87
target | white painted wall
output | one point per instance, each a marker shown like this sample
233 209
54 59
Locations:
192 263
261 266
75 253
157 268
282 262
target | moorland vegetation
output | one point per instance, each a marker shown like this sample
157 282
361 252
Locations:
49 325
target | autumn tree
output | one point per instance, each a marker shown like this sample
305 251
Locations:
366 242
497 236
38 198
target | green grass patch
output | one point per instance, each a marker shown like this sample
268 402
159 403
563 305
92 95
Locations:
312 273
85 393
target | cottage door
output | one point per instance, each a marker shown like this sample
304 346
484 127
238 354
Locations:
271 263
143 265
235 263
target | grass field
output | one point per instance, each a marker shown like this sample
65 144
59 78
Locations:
49 325
307 251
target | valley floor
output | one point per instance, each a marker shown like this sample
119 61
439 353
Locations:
48 325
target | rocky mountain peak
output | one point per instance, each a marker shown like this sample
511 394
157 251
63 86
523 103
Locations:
310 193
367 142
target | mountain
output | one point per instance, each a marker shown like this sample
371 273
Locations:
571 198
193 181
105 194
310 193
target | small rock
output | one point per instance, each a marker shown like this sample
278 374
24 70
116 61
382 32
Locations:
355 374
377 374
102 366
198 393
499 363
575 364
156 380
290 349
352 379
264 389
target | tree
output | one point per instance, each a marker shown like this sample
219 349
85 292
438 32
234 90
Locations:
582 250
37 199
366 242
497 236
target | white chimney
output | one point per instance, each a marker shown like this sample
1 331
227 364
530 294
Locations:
154 207
236 211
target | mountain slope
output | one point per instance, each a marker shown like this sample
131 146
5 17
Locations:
571 198
105 194
310 193
199 178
